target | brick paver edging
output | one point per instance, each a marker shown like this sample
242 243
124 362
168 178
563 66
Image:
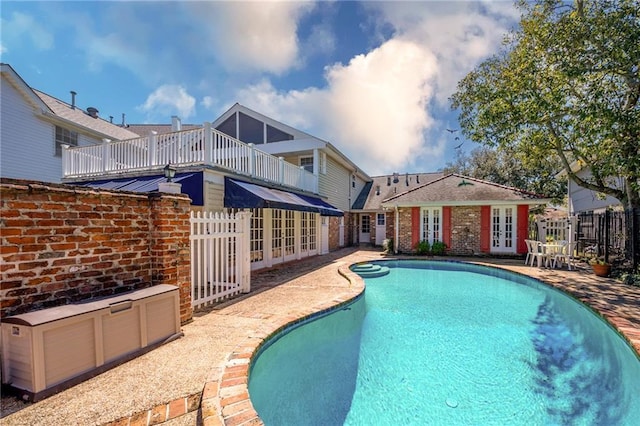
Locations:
226 402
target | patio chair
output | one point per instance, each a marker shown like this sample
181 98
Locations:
565 256
534 252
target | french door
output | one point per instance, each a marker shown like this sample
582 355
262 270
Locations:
503 229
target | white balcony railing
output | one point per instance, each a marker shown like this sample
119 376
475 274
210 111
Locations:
204 146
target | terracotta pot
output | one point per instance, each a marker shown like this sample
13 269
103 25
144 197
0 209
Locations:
601 270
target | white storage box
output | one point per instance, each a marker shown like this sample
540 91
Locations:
52 349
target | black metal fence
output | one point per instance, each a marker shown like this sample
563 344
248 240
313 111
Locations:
610 234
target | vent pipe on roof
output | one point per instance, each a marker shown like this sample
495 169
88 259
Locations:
388 180
111 119
396 178
378 190
73 99
417 178
123 119
93 112
407 179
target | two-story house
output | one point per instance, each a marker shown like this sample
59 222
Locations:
35 126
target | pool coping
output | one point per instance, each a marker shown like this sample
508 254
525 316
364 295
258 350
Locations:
226 401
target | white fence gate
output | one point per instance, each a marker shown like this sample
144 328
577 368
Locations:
556 229
220 262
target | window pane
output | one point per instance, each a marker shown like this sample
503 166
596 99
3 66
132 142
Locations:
251 130
381 219
277 135
307 163
228 126
65 137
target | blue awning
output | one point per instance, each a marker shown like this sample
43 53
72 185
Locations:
244 195
191 184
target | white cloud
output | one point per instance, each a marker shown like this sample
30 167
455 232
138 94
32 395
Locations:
22 27
374 108
207 102
252 37
168 100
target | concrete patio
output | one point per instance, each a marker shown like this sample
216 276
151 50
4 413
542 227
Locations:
201 378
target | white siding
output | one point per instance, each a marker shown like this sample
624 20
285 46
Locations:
582 199
335 185
27 142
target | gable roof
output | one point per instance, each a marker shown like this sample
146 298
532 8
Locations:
64 113
22 87
301 142
387 186
455 189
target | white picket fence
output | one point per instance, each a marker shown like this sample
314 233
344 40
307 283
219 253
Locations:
220 261
556 229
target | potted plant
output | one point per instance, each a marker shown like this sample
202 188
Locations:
600 267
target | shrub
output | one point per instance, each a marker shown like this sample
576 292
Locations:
438 248
423 247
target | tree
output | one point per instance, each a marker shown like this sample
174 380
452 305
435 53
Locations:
566 88
505 167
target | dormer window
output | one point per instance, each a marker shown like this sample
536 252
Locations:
65 137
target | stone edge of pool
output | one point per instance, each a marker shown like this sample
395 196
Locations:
226 401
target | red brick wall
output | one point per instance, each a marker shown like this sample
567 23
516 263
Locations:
62 244
465 230
405 240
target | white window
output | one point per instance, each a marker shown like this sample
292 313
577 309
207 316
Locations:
431 224
307 163
65 137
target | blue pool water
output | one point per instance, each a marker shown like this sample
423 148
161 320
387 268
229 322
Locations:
449 343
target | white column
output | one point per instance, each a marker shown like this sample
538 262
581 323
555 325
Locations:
267 228
244 261
153 148
105 154
208 143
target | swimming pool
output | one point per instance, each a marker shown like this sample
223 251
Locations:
449 343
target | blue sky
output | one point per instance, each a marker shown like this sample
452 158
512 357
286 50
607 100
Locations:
372 78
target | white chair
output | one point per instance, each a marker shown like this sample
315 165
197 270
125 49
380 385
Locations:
565 256
534 252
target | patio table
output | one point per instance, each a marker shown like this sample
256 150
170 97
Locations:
549 250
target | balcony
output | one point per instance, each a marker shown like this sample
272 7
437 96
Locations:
199 147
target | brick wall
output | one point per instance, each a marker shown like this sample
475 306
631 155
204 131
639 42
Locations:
62 244
334 233
465 230
404 230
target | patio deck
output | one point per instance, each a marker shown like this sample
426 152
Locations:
201 378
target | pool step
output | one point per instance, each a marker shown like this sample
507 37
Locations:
369 270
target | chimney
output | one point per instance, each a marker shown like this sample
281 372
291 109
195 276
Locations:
123 119
93 112
73 99
176 123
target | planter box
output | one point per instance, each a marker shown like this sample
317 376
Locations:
46 351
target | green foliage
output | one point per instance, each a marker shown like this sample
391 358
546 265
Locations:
438 248
423 247
505 167
565 89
